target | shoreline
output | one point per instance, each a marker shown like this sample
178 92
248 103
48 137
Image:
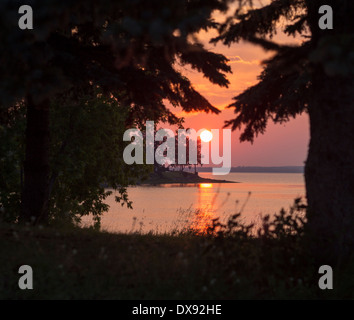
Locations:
177 177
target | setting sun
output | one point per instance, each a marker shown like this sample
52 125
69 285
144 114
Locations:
206 136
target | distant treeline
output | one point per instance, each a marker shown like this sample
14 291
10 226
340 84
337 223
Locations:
284 169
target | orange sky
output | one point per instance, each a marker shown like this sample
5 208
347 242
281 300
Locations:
284 144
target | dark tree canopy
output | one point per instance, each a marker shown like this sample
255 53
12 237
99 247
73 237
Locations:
126 50
317 77
284 89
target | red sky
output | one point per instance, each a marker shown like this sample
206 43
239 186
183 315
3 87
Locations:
282 144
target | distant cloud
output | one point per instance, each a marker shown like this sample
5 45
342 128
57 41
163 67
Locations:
234 58
238 59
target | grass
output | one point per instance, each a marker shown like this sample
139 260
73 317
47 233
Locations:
76 263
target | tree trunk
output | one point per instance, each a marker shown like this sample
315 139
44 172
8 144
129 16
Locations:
329 168
36 165
329 171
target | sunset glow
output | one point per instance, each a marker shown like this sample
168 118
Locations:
245 60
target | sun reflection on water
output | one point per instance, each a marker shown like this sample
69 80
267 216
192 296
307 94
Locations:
205 213
205 185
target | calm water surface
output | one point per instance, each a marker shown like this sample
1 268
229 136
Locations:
173 206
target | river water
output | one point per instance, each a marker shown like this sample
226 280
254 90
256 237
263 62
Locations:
170 207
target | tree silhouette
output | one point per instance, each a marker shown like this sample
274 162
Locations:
189 143
315 77
127 49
